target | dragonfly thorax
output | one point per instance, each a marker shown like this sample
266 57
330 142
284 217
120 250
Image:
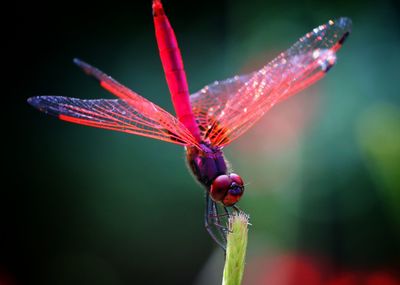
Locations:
210 168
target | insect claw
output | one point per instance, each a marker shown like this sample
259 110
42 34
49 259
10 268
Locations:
237 209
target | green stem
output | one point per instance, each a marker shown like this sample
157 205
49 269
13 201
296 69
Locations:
236 249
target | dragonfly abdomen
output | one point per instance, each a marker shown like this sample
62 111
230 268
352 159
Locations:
173 69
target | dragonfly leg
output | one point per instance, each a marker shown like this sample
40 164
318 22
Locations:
218 224
226 211
237 209
212 223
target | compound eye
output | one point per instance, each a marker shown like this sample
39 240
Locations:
234 194
220 187
236 178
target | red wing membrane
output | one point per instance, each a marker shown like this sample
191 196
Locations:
131 114
225 110
135 116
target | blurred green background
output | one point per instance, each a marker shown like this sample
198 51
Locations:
89 206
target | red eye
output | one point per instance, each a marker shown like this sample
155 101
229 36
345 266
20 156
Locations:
233 196
220 187
235 191
236 178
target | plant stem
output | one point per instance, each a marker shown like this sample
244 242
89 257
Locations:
236 249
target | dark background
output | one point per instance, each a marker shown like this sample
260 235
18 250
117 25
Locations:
88 206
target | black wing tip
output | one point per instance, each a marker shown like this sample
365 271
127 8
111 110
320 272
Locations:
327 68
44 104
89 69
83 65
343 38
76 60
30 100
341 27
345 23
80 63
35 101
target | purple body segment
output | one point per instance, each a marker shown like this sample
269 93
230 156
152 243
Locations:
207 163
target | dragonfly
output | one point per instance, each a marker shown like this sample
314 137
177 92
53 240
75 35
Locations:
210 119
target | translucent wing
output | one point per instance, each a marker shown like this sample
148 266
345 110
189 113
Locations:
139 117
130 114
225 110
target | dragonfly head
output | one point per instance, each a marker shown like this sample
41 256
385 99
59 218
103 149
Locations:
227 189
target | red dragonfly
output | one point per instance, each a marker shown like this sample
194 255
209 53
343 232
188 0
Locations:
211 118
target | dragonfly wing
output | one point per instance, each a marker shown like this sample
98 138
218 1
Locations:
225 110
106 81
130 115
